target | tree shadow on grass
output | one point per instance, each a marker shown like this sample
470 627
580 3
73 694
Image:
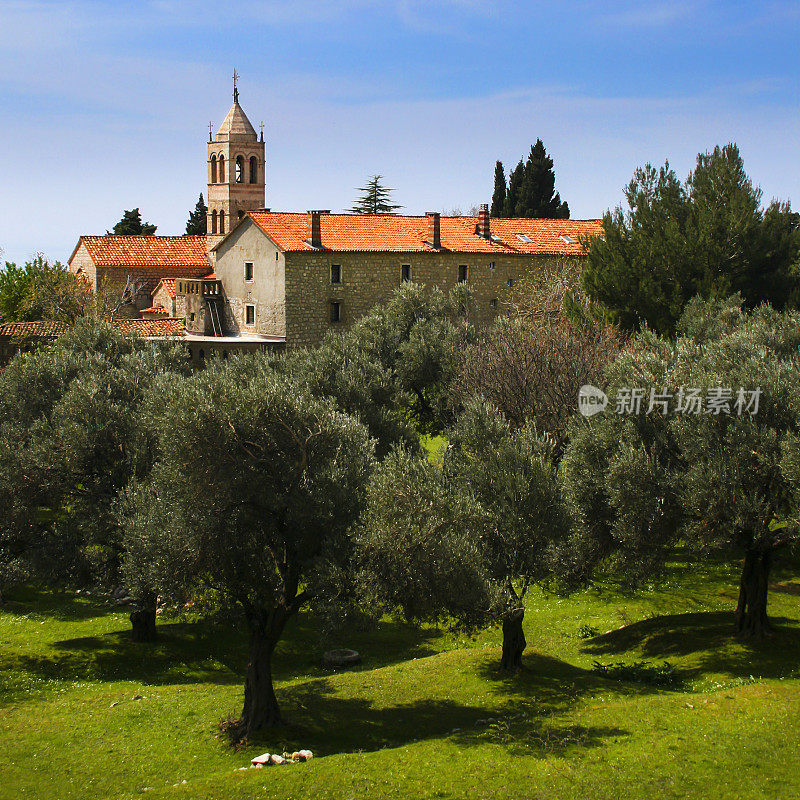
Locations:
205 652
321 719
61 606
706 640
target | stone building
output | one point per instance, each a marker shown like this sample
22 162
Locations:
236 173
294 277
264 279
111 262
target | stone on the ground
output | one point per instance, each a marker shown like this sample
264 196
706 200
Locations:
341 658
262 759
276 759
305 755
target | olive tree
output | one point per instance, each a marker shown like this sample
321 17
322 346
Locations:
708 461
260 481
395 367
74 432
467 540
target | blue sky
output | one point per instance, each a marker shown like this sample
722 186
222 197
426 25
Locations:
105 105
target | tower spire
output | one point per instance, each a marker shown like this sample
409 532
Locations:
235 90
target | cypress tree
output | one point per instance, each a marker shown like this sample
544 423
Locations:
196 226
499 195
538 197
515 179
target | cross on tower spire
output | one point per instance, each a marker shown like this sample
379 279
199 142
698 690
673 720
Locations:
262 131
210 132
235 90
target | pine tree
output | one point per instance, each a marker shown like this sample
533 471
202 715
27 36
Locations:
131 225
196 225
515 179
374 198
538 197
499 195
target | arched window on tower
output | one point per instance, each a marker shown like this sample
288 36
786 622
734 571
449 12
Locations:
239 169
213 169
222 222
253 169
222 169
213 222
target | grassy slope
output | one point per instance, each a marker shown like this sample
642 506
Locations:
390 729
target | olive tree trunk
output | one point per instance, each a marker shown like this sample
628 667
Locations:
143 619
261 708
751 612
513 641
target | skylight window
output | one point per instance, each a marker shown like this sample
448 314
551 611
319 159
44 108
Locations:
523 238
567 239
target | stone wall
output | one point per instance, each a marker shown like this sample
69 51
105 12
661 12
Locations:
370 278
265 292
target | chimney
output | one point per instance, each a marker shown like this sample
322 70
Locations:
434 230
313 235
483 221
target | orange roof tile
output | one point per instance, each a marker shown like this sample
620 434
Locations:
406 234
154 310
150 327
182 252
31 330
45 329
168 284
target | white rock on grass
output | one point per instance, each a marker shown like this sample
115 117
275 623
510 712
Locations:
262 759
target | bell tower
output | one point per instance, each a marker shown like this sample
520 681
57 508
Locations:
236 172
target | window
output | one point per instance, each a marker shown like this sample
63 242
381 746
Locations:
510 281
191 317
239 169
248 270
213 222
222 222
253 169
493 303
491 266
567 239
462 273
249 315
336 273
523 238
336 312
222 169
213 169
405 273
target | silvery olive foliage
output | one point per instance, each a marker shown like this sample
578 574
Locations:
720 483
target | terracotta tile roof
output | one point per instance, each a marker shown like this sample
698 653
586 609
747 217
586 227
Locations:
168 284
149 252
18 331
154 310
405 234
150 327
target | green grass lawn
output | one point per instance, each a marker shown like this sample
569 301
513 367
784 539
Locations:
404 724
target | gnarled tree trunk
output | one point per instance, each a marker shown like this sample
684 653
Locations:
751 612
261 708
143 619
513 641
